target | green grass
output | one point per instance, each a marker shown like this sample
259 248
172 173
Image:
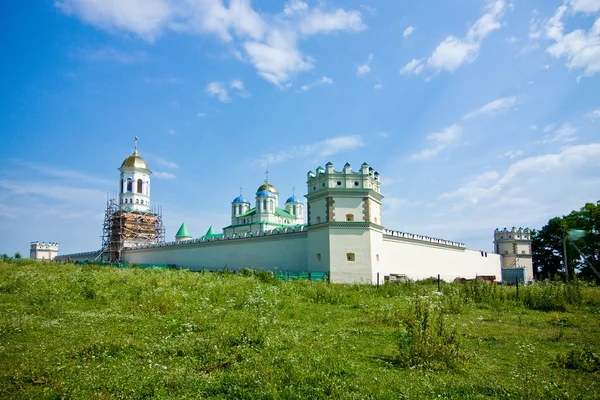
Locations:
100 332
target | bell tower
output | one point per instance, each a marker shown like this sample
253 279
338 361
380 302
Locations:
134 192
345 232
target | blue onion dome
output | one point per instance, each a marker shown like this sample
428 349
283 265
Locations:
293 199
240 199
264 193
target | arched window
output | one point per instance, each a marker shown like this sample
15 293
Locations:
129 185
137 201
349 217
140 186
319 257
318 220
121 185
377 257
147 186
264 205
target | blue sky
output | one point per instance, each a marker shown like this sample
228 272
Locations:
478 114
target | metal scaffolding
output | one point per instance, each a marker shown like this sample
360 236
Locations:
124 228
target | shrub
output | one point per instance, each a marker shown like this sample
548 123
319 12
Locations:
580 360
426 340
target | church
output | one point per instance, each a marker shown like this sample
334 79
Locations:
338 229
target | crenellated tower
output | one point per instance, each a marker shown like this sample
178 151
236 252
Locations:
344 222
43 251
514 246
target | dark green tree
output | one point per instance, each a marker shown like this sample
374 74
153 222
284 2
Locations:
17 256
588 220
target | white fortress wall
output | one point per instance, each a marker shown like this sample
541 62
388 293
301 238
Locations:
89 256
286 251
422 257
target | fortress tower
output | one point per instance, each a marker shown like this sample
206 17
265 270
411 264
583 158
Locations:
43 251
344 222
515 248
131 221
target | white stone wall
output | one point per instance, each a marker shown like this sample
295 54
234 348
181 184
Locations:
351 241
318 211
286 251
348 205
424 260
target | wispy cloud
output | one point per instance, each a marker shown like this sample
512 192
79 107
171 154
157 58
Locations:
201 114
581 49
67 174
323 81
594 114
325 148
563 133
365 68
163 175
453 51
216 89
494 107
110 54
378 86
439 141
511 154
166 163
408 31
270 42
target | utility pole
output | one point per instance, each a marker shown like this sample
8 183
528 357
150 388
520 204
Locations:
565 258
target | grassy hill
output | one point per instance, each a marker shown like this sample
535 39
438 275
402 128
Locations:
99 332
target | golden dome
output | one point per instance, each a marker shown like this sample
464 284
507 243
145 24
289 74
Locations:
267 186
134 161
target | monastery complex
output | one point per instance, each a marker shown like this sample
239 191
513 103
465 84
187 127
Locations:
337 229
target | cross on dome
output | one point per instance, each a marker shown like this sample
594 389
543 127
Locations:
135 140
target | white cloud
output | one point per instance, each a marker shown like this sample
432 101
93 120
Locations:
512 154
533 127
268 41
145 18
319 150
408 31
453 51
323 81
365 68
171 131
564 133
439 142
294 6
319 21
550 177
221 91
383 134
581 49
378 86
594 114
201 114
67 174
167 163
278 58
586 6
416 66
494 107
163 175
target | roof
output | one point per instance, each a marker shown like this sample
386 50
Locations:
264 193
267 186
293 199
248 213
241 199
183 232
210 233
282 213
134 161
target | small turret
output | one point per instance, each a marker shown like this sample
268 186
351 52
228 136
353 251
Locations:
183 235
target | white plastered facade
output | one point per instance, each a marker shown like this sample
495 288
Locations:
344 236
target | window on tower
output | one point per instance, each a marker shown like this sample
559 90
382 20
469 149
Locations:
129 185
121 185
140 185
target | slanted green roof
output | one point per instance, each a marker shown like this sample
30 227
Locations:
183 232
280 212
251 211
211 234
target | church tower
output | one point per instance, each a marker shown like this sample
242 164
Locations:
131 221
134 193
345 232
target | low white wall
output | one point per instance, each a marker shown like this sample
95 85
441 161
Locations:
286 251
89 256
420 260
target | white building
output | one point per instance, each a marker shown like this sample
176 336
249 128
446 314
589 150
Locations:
343 235
43 251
